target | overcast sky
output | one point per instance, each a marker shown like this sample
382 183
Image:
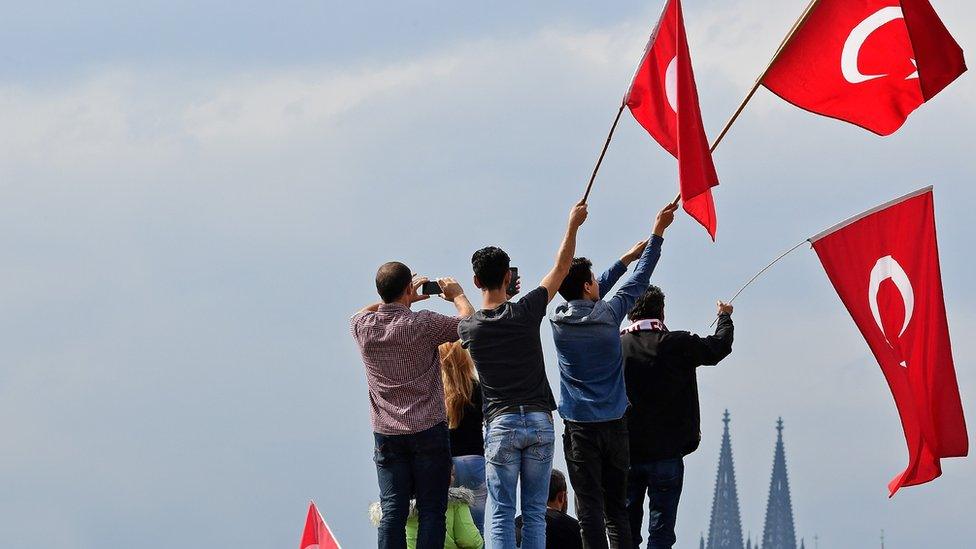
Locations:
194 197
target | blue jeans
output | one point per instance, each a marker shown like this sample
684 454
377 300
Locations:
418 465
519 445
469 472
661 481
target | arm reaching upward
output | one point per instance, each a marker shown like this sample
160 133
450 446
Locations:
564 258
708 351
452 291
627 295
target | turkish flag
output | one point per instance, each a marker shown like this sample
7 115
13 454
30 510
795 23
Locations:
317 534
664 100
884 264
868 62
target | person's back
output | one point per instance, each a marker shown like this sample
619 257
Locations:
586 330
664 418
506 348
410 436
504 341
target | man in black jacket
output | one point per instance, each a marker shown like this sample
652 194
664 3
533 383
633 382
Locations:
664 418
562 530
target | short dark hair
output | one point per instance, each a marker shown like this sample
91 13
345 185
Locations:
490 265
649 305
557 484
392 279
580 272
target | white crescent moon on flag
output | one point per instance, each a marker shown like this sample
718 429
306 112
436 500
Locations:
855 41
671 84
886 268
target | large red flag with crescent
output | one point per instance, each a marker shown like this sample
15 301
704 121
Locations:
884 264
664 100
867 62
317 534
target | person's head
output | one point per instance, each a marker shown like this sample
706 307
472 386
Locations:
393 281
458 375
490 266
649 305
580 283
558 499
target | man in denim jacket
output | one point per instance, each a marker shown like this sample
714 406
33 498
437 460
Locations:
593 399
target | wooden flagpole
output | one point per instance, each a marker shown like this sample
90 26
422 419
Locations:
603 153
755 87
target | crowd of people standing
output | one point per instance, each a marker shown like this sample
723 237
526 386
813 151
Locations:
461 407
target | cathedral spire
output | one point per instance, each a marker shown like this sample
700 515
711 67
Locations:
725 530
779 532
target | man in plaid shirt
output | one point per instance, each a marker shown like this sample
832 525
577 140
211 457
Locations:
406 398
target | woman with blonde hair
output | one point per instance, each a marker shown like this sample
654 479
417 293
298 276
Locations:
462 396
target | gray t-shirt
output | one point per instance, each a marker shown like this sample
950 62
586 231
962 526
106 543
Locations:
507 351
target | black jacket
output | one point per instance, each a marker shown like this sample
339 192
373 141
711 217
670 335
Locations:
659 368
562 531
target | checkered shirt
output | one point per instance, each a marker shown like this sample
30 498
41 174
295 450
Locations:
403 371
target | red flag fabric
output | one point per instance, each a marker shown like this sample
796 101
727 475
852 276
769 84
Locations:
867 62
884 264
317 534
664 100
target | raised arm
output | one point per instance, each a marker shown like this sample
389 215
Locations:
709 351
638 282
452 291
564 258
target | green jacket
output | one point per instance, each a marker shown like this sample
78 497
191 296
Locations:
461 531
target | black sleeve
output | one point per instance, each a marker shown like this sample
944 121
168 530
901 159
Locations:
535 303
708 351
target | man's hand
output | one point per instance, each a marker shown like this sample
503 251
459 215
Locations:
724 308
577 215
634 253
664 219
415 285
450 289
518 288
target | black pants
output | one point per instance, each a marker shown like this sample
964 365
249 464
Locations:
598 456
661 482
418 465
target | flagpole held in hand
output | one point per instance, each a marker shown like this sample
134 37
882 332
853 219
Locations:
760 273
755 87
603 153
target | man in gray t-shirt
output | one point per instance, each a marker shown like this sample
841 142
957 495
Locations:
503 338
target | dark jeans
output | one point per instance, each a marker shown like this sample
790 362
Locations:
598 456
418 465
661 481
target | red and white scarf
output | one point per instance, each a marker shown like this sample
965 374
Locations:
646 325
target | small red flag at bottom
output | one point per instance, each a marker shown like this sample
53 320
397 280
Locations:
317 534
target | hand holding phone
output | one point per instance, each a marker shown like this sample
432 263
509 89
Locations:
513 286
431 288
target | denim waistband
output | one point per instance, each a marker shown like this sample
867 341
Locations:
522 413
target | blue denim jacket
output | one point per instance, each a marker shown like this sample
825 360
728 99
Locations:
587 336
